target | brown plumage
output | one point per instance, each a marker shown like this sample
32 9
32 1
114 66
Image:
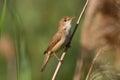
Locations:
59 40
55 44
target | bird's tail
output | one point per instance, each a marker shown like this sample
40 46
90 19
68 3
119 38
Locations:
45 61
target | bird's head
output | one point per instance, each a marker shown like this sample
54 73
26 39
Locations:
65 23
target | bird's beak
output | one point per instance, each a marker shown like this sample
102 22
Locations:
73 17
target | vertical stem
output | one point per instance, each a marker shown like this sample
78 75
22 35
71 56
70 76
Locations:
93 62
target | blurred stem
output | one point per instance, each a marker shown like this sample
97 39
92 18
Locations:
22 63
93 63
25 69
2 19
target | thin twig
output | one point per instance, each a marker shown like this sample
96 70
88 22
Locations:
58 66
92 64
68 44
82 11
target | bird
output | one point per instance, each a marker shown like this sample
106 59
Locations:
59 40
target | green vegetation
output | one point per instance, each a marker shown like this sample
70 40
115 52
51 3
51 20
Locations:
30 24
2 16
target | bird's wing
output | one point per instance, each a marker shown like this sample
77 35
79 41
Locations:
53 42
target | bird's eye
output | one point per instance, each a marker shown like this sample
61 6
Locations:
65 20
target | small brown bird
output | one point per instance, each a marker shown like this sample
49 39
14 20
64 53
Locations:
59 40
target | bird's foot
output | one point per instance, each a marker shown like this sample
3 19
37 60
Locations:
60 60
57 58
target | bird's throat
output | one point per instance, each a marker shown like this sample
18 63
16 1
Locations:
68 27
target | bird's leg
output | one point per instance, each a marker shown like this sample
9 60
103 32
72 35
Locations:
57 57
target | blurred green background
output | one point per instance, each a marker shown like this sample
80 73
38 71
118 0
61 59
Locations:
26 27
